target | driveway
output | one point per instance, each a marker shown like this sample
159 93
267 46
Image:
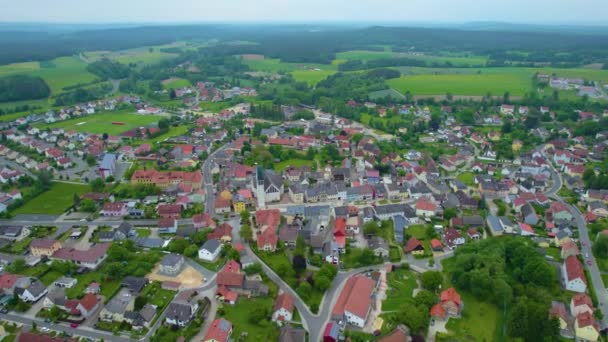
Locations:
85 243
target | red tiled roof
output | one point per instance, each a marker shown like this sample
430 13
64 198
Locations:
413 244
450 295
7 280
219 331
86 256
574 269
269 217
89 301
31 337
355 297
42 243
284 301
582 299
435 243
425 205
585 319
268 237
438 311
169 209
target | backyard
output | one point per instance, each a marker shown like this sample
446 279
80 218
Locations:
401 285
246 317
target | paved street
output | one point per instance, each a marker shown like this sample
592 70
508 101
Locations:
208 179
586 243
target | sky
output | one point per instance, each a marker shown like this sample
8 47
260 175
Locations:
396 11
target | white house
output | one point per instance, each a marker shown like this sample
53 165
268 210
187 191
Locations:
33 292
210 250
282 310
574 276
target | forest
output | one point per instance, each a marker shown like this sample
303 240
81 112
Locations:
306 44
21 87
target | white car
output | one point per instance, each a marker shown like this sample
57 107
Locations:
45 329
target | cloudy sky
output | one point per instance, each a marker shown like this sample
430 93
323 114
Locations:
102 11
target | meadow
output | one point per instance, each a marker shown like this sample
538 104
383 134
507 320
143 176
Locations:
58 73
102 122
175 83
54 201
310 73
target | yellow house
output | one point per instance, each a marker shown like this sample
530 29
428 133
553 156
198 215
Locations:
586 328
44 247
516 145
239 206
561 239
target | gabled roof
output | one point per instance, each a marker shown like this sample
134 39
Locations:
450 295
283 301
574 269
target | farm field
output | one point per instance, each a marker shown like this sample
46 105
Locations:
312 77
102 122
142 55
174 83
58 73
370 55
54 201
475 84
384 93
304 72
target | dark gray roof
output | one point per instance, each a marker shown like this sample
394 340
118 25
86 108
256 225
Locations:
211 245
171 259
319 210
134 284
179 311
149 242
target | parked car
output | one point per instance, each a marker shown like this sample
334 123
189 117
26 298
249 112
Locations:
589 262
73 325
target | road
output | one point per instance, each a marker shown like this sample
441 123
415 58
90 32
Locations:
208 179
579 219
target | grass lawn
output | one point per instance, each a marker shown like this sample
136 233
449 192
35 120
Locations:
292 162
36 271
312 77
173 132
212 266
102 122
143 232
384 93
352 259
417 230
175 83
141 55
468 178
108 287
239 316
54 201
158 296
50 277
401 285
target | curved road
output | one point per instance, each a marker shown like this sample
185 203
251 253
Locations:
596 276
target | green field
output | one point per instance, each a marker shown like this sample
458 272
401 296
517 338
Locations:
292 162
176 83
470 85
239 316
54 201
304 72
102 122
58 73
312 77
141 55
384 93
401 285
371 55
468 178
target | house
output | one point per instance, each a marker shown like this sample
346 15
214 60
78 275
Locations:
291 334
14 233
88 304
219 331
267 240
400 334
558 311
134 284
597 208
171 264
379 246
173 211
107 166
414 246
222 233
203 221
569 248
44 247
166 179
90 258
182 309
453 238
210 250
573 275
167 226
436 245
65 282
473 234
282 310
528 214
31 291
450 305
526 230
581 303
115 209
586 328
115 309
425 208
355 301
